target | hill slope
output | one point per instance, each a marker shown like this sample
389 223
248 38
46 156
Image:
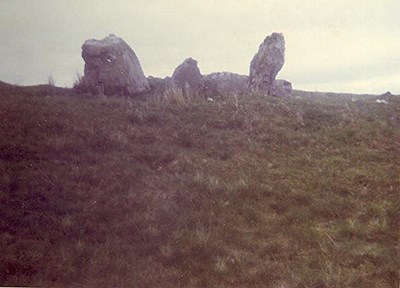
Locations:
235 192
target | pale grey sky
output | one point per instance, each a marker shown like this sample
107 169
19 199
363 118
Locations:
331 45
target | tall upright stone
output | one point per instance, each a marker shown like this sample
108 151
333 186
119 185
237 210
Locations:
187 76
112 68
266 63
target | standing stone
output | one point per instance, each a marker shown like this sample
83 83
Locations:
187 77
267 63
112 68
158 85
221 83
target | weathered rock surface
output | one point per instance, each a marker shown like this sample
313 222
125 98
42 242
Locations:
159 85
187 77
266 63
112 67
281 88
225 83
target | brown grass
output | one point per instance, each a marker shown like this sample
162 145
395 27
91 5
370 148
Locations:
183 192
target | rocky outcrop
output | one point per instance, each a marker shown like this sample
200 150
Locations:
225 83
187 77
281 88
266 63
112 67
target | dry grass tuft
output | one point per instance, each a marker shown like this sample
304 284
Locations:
179 96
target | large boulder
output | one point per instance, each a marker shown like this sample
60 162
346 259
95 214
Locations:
112 67
187 77
225 83
266 63
281 88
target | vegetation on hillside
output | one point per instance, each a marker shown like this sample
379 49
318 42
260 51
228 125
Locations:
245 191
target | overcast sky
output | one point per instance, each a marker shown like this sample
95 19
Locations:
331 45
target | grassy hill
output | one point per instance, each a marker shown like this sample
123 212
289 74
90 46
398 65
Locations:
246 191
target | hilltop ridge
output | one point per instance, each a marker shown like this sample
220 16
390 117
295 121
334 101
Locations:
179 191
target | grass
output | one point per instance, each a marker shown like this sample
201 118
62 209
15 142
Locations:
173 191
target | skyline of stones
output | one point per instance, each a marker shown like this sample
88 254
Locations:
337 46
